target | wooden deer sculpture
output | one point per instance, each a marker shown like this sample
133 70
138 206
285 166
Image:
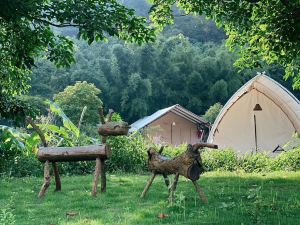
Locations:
187 164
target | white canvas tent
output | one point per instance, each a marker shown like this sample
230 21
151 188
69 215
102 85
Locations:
261 116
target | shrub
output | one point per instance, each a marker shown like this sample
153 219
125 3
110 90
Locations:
171 151
219 159
129 153
289 161
259 162
23 165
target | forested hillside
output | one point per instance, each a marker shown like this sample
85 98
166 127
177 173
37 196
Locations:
188 65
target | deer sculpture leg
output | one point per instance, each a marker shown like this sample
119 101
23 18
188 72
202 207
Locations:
173 187
148 185
200 192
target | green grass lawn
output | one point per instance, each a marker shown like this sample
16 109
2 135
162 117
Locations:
234 198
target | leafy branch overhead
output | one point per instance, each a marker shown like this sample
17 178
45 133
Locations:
263 31
26 30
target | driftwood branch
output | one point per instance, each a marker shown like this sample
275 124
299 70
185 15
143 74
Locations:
101 115
110 114
29 120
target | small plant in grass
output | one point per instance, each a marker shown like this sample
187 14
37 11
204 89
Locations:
254 194
7 216
179 203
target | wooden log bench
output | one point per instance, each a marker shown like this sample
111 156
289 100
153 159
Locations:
187 164
100 153
53 155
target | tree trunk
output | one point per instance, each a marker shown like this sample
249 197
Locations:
57 154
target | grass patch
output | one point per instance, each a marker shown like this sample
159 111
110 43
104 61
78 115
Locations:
234 198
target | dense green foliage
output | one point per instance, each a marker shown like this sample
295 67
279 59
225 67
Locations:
128 153
137 81
227 160
212 113
74 98
27 31
188 64
263 31
234 198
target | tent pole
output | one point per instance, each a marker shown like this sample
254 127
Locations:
255 133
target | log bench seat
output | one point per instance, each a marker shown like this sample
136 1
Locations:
66 154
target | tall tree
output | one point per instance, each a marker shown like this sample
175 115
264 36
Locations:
74 98
264 31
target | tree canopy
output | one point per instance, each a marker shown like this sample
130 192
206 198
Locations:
138 80
263 31
26 31
74 98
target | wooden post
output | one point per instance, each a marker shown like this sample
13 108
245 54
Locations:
56 177
200 192
103 175
47 180
96 176
148 185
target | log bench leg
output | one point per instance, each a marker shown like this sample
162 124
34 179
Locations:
148 185
173 187
56 176
96 176
103 175
47 180
200 192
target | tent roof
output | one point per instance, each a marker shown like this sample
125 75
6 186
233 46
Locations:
177 109
284 99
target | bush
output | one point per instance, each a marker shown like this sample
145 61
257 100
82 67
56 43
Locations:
129 153
259 162
289 161
171 151
23 165
220 160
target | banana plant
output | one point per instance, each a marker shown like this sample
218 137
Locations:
66 135
12 139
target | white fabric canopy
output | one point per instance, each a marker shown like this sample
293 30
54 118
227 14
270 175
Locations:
245 130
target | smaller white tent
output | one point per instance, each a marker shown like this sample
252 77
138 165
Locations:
262 116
